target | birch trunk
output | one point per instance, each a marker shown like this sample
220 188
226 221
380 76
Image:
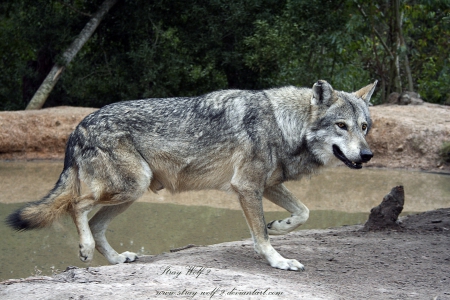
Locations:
55 73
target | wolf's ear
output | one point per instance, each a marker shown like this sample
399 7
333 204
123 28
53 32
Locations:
322 93
366 92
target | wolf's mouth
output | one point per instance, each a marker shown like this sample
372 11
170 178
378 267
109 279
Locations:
351 164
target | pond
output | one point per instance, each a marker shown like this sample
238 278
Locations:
160 222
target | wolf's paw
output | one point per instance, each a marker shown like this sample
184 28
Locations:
125 257
279 227
288 264
86 252
129 256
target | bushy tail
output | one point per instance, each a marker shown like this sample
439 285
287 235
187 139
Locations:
44 212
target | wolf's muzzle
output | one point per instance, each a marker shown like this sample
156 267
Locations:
366 155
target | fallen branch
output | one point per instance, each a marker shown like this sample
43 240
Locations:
184 248
30 279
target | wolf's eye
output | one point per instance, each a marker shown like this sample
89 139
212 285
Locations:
364 127
341 125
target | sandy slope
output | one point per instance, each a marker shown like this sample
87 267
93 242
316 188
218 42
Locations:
409 136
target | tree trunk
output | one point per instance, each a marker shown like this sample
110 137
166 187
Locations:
408 74
49 82
403 47
383 90
396 46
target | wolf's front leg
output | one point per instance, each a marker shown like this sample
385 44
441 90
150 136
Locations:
250 198
281 196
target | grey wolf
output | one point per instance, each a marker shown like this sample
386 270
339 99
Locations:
243 142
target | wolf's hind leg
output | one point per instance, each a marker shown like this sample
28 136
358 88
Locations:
80 210
281 196
115 198
98 225
117 175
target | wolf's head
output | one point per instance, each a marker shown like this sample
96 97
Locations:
340 122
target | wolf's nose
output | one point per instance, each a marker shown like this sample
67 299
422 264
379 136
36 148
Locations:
366 155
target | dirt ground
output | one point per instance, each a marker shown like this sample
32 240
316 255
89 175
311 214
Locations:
341 263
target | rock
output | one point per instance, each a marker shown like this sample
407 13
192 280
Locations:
405 98
393 98
385 215
399 148
410 98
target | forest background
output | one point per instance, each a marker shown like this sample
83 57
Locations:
147 49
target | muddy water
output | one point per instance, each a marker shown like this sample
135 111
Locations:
161 222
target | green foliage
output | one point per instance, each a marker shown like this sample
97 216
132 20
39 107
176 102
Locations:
428 27
425 28
303 44
14 52
33 33
183 48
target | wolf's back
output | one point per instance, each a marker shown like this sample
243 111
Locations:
44 212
